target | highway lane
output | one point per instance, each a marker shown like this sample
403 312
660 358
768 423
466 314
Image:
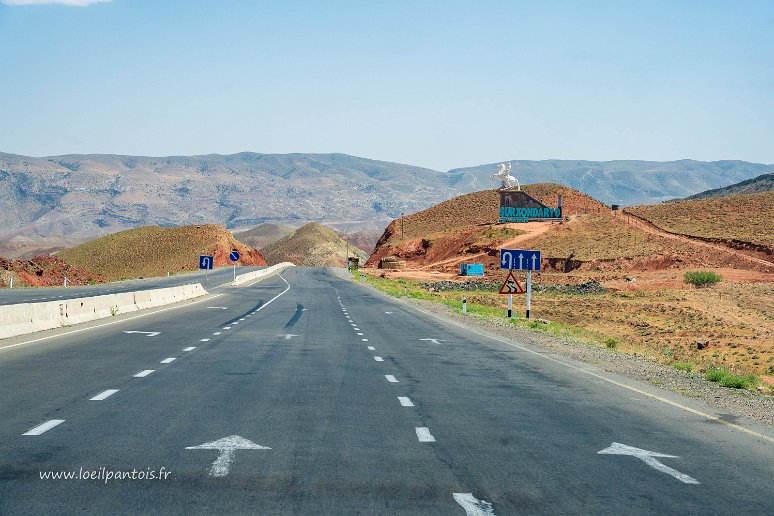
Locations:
510 427
215 278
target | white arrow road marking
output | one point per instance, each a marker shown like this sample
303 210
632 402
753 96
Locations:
219 307
48 425
390 378
435 341
472 505
649 458
227 446
288 336
104 394
142 374
424 435
167 360
148 333
404 401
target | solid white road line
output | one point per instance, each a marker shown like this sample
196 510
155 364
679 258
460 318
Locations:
390 378
404 401
379 359
167 360
424 435
143 374
48 425
104 394
204 340
189 348
371 348
472 505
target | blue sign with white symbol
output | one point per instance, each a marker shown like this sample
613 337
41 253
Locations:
520 259
234 256
205 262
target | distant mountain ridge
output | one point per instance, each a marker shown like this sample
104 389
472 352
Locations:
57 201
762 183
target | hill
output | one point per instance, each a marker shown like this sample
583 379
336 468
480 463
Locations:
626 182
762 183
263 234
155 251
60 201
44 271
311 245
733 219
468 224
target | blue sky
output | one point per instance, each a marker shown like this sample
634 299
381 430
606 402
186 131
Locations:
438 84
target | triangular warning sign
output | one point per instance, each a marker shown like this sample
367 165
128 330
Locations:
511 285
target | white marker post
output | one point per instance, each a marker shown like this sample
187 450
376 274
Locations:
529 291
464 305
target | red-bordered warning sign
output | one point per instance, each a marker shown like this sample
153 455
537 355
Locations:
511 285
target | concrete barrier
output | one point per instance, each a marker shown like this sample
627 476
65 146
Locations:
268 271
24 318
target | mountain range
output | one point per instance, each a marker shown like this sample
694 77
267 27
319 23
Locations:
54 202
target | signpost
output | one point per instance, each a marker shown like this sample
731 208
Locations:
520 260
205 262
234 257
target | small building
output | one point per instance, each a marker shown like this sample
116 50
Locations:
471 269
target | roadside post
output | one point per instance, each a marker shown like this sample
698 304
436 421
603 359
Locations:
65 282
205 262
464 305
234 257
518 260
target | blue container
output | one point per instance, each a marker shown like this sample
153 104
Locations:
471 269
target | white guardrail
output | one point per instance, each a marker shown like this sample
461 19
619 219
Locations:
23 318
268 271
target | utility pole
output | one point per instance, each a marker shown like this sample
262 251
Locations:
401 226
346 257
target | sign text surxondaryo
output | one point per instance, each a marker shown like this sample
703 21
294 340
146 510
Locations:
509 214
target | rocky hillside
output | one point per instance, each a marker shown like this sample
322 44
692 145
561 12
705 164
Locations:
762 183
44 271
312 245
155 251
263 234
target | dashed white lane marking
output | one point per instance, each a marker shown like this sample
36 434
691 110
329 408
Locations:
379 359
217 333
143 374
472 505
227 327
390 378
167 360
204 340
104 394
360 334
356 329
235 322
48 425
424 435
404 401
242 319
189 348
371 348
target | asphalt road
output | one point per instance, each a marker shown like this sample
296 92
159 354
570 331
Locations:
215 278
411 426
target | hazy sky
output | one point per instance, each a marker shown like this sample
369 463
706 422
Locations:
438 84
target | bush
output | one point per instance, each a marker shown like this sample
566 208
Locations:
701 278
683 366
728 379
611 343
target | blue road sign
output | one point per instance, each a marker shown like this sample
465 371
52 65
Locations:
520 259
205 262
234 256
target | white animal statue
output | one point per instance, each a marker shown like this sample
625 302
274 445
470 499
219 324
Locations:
504 175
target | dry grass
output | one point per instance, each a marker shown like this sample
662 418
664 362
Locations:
749 217
155 251
313 245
